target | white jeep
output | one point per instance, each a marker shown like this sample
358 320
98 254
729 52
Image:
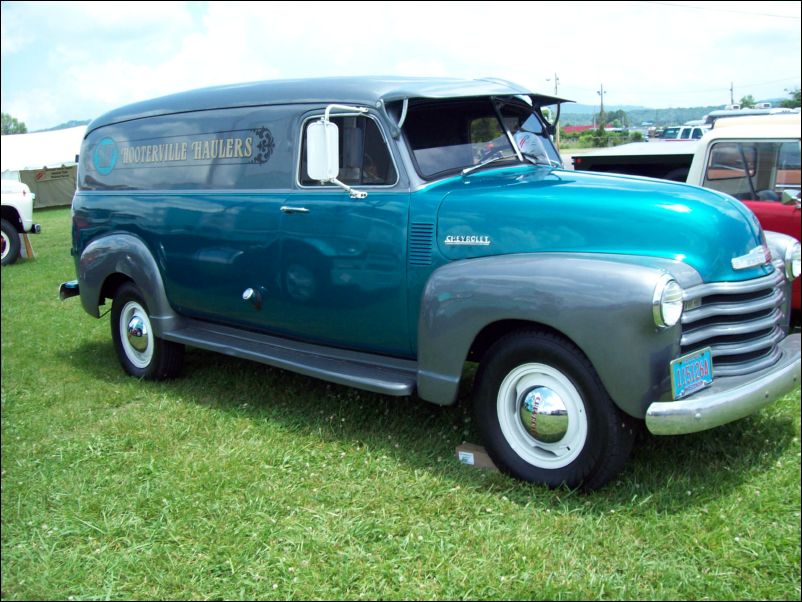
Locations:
17 218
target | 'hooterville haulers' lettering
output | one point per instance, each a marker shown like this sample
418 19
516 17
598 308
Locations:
199 150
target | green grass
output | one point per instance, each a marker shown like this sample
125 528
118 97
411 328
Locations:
241 481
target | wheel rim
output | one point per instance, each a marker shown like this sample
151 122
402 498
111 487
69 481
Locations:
6 245
136 335
542 415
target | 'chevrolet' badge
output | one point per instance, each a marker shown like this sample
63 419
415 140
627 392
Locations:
468 241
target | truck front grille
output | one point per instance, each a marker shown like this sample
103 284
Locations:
740 321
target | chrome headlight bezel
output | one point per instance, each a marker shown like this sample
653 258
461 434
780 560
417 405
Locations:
667 302
793 261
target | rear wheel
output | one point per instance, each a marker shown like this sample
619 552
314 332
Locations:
10 242
545 415
140 351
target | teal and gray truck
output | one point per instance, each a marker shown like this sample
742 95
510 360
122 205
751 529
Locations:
382 232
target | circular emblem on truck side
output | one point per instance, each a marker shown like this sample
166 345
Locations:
105 156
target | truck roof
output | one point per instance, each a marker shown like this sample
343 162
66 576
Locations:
715 116
353 90
761 122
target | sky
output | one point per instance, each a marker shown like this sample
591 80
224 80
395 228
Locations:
66 61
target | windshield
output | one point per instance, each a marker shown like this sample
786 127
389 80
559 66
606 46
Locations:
447 136
528 132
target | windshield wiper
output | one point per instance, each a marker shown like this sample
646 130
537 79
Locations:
473 168
537 159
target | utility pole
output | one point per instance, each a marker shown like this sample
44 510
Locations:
732 95
556 123
601 94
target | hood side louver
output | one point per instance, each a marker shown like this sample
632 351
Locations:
421 241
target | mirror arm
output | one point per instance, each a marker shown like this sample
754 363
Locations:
355 194
346 108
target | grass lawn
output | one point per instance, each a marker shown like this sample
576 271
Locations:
242 481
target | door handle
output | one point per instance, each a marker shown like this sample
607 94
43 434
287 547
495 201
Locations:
286 209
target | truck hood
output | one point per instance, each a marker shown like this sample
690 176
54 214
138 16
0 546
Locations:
528 209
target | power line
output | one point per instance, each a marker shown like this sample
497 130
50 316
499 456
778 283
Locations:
722 10
722 88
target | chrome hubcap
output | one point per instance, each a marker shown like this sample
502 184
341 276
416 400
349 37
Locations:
543 414
135 334
138 333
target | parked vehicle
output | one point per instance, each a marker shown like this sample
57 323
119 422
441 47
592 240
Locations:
756 160
682 132
666 161
651 159
17 218
379 233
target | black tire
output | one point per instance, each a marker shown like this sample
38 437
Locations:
10 243
586 443
141 353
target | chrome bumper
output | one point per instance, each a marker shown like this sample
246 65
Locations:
729 398
68 290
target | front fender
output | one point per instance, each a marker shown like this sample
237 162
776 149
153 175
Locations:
602 303
127 255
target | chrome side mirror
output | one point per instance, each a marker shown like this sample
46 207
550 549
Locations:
322 150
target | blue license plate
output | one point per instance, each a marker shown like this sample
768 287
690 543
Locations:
691 372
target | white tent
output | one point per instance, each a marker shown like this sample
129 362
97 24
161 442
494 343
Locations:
45 161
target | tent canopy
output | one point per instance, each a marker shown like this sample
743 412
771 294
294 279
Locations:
42 149
45 161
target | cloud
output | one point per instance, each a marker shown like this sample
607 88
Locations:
66 61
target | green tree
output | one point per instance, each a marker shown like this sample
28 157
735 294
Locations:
618 118
748 102
12 126
794 101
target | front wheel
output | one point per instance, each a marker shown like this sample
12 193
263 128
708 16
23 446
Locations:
10 243
545 415
141 353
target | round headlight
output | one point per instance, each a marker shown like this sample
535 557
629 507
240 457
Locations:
667 302
792 261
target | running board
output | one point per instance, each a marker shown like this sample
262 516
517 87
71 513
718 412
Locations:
377 373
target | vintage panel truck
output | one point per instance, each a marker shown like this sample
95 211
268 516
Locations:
382 232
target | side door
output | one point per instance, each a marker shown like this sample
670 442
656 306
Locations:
342 268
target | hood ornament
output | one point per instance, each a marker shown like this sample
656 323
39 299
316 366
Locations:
755 257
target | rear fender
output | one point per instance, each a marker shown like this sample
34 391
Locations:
125 255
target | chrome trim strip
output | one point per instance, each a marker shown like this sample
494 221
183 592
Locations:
735 288
747 367
737 348
718 330
734 308
728 398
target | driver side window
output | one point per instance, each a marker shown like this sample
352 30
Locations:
365 159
